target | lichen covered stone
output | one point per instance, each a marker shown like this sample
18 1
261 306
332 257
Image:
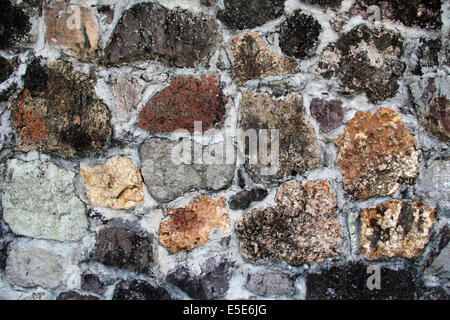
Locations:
302 227
270 284
329 114
395 228
376 154
190 226
117 184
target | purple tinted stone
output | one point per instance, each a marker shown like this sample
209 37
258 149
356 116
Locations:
329 114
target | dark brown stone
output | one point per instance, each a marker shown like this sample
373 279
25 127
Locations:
6 69
92 283
243 199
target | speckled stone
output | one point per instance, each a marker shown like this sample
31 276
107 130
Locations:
376 154
301 228
329 114
395 228
134 289
190 226
270 284
127 94
14 25
325 3
6 69
434 183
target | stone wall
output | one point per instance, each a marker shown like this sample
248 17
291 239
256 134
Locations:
94 93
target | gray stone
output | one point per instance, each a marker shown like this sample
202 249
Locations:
127 94
441 267
270 284
434 183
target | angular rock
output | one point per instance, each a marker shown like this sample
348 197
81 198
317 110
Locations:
376 154
39 201
270 284
190 226
440 267
140 290
298 146
329 114
58 113
6 69
73 28
349 282
167 180
251 59
395 228
92 283
434 183
301 228
211 283
431 98
149 31
247 14
374 53
243 199
126 247
14 25
73 295
422 13
299 35
117 184
184 101
127 94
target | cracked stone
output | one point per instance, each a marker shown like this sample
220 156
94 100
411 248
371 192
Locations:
14 25
247 14
190 226
251 59
301 228
242 200
434 183
39 201
298 146
375 53
376 154
149 31
58 113
270 284
134 289
117 184
127 94
395 228
184 101
73 28
329 114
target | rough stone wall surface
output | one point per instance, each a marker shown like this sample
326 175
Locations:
203 149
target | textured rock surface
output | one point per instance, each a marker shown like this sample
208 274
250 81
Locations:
149 31
299 35
58 113
190 226
247 14
92 283
325 3
140 290
243 199
74 295
166 180
375 53
211 283
251 59
270 284
329 114
127 94
440 267
301 228
73 28
395 228
376 154
126 247
14 25
298 147
184 101
6 69
39 201
434 183
117 184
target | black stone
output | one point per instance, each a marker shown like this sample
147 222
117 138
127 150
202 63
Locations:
6 69
325 3
92 283
243 199
14 24
139 290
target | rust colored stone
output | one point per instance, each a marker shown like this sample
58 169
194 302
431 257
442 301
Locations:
190 226
395 228
184 101
376 154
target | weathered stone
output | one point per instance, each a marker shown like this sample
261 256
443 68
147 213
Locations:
376 154
139 290
329 114
14 25
73 28
432 101
92 283
434 183
57 112
6 69
270 284
325 3
190 226
374 53
39 201
211 283
420 13
126 247
349 282
302 227
251 59
33 263
440 267
298 146
166 180
243 199
299 35
117 184
395 228
73 295
184 101
427 55
149 31
247 14
207 3
127 94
